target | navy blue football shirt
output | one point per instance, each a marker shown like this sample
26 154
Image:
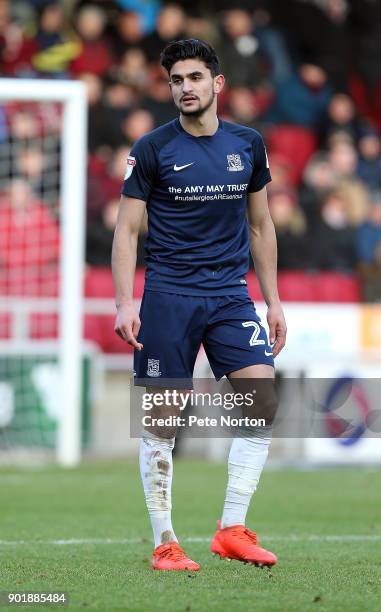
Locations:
196 193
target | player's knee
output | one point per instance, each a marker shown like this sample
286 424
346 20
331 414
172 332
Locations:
266 407
263 403
162 418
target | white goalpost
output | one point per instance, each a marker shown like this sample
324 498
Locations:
71 196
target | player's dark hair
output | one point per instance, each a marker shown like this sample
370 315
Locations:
190 48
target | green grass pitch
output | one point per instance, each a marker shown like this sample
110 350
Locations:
86 532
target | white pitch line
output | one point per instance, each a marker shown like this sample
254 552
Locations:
194 540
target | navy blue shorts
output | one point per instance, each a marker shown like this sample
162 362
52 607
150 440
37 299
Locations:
174 326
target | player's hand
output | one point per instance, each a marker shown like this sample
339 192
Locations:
127 325
277 328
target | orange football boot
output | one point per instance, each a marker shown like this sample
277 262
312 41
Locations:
171 556
239 543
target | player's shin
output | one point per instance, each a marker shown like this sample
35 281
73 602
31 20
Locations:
156 471
247 457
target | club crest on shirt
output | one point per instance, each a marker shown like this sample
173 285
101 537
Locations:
153 368
131 162
234 163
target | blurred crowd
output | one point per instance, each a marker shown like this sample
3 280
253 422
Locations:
306 73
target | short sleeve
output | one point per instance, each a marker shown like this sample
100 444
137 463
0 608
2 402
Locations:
140 171
261 171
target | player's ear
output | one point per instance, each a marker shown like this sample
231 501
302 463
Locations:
219 82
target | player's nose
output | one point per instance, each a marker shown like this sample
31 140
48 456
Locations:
187 86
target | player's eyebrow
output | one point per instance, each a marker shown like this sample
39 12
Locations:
191 74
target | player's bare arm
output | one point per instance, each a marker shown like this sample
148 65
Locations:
264 252
130 216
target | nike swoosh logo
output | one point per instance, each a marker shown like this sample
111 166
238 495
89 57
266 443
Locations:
267 354
178 168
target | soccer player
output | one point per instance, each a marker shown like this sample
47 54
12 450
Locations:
203 182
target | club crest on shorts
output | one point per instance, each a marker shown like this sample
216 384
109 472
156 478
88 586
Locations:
131 162
153 368
234 163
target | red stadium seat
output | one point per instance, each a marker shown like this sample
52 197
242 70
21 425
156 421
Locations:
43 326
5 326
295 143
100 328
296 286
337 287
99 283
318 287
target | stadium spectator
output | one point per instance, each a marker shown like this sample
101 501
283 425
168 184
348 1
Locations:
126 33
29 242
369 162
32 150
106 170
146 12
136 124
356 198
246 105
365 50
341 117
319 178
291 230
302 99
365 24
113 173
30 164
368 249
24 125
100 233
332 237
133 70
118 100
316 32
14 48
55 44
281 172
158 100
96 125
368 235
239 49
170 25
273 44
198 26
342 156
94 56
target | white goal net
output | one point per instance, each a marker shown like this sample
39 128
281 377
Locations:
42 218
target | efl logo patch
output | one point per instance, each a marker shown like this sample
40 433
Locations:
131 162
153 368
234 163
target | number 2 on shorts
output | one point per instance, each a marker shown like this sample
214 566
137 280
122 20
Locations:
257 330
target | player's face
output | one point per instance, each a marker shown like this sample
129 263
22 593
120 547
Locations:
193 87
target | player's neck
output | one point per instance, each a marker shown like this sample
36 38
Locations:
200 126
